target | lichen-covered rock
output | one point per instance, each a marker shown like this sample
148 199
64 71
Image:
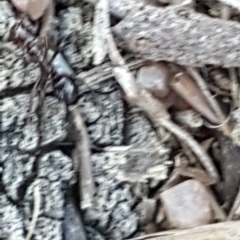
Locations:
26 136
11 224
17 168
7 19
15 73
54 172
148 156
103 112
76 35
112 213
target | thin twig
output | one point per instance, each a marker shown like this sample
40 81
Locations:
219 214
83 151
234 207
153 107
212 102
226 15
217 231
36 211
234 86
47 20
232 3
100 25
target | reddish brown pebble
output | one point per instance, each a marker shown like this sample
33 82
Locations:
154 78
187 205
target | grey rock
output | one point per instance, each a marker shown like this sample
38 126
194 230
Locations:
103 113
11 224
17 168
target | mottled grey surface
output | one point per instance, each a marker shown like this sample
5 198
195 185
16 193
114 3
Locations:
103 111
76 35
160 34
128 145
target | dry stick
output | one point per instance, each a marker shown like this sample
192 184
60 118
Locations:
217 231
234 86
212 102
100 24
47 20
36 211
219 214
234 207
87 188
154 108
226 15
232 3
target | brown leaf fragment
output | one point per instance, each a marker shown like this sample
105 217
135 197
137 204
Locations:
20 5
159 34
184 85
34 8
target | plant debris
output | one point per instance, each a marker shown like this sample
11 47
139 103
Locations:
136 129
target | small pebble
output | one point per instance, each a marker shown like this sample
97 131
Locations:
154 77
187 205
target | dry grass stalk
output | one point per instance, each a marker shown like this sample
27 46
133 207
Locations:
226 15
100 25
212 102
218 231
232 3
83 155
36 211
234 207
154 108
47 20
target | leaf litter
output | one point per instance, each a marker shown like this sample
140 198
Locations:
186 87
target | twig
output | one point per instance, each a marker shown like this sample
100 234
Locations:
154 108
232 3
226 15
83 151
100 25
217 231
219 214
234 86
212 102
36 211
47 21
234 207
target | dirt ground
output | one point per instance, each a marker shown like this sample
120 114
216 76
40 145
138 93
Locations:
149 142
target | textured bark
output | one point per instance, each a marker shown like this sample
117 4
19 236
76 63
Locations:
181 35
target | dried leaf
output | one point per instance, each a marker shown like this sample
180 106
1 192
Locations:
184 85
20 5
34 8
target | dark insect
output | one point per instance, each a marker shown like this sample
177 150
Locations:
64 86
